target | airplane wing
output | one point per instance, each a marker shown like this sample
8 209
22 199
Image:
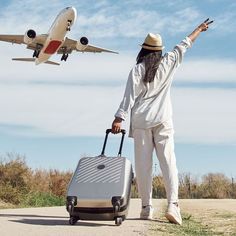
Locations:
12 38
92 48
70 45
19 39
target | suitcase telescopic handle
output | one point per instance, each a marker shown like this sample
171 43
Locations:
121 142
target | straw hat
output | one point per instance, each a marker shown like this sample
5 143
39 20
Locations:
153 42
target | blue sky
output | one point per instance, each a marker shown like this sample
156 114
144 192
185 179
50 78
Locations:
55 115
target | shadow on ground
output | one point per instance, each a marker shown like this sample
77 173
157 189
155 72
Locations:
55 222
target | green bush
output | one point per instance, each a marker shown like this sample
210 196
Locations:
42 199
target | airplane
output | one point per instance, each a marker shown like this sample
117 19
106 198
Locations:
45 45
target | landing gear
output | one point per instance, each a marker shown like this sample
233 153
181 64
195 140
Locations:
37 50
68 25
36 53
64 56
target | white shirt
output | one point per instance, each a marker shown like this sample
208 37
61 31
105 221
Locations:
150 103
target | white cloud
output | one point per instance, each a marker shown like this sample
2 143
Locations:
61 106
19 16
205 115
59 110
107 19
207 70
136 22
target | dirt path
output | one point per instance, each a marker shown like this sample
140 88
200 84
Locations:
201 205
216 215
52 221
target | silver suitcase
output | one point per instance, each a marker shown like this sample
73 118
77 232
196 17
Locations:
100 187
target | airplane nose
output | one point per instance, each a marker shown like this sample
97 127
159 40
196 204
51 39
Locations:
74 12
71 10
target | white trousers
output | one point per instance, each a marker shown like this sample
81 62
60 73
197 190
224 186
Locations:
161 139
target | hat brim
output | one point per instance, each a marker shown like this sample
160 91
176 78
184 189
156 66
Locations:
155 48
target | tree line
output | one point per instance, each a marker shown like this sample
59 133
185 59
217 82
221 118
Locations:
22 186
211 185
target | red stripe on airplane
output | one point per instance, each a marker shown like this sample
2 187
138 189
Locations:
52 47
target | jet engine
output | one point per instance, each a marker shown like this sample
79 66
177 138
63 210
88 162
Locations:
29 36
82 44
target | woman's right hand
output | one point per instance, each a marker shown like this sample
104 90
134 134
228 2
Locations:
204 26
116 125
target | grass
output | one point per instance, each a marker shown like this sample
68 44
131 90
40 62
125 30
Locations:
42 199
190 226
225 223
211 223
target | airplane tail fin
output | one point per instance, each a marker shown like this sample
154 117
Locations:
33 60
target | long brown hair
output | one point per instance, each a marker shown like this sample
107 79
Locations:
151 60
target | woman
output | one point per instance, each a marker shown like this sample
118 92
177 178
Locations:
147 96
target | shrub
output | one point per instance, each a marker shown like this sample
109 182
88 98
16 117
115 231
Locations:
58 182
134 189
158 188
10 194
215 186
20 185
14 178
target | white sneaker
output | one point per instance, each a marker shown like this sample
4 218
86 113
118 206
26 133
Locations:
173 214
147 212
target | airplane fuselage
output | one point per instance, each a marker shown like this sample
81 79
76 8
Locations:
56 34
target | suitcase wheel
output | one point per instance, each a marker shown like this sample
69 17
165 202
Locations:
118 221
70 208
73 220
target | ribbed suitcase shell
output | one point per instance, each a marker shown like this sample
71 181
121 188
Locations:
97 183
